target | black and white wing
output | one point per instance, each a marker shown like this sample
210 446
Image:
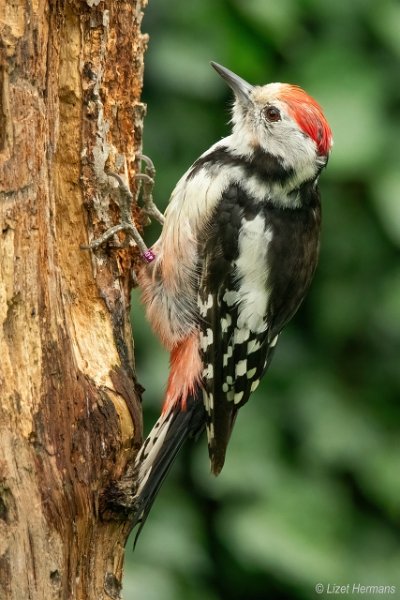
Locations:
233 299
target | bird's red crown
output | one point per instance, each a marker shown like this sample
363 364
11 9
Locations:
309 116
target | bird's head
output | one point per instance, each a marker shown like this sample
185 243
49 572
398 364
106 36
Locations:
281 119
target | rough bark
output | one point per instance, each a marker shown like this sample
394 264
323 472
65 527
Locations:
70 83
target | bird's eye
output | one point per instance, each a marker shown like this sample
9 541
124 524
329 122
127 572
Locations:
272 114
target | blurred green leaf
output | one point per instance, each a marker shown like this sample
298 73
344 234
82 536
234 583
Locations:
385 191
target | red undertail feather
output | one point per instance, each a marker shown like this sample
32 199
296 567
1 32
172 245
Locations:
185 372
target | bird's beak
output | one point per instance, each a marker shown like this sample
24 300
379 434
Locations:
241 88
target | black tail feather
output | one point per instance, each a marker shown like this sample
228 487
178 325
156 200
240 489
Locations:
160 449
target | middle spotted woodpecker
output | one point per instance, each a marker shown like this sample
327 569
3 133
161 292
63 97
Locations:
235 259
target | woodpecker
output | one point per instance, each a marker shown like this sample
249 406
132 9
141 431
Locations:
236 256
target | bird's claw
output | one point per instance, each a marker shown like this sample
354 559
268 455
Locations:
125 203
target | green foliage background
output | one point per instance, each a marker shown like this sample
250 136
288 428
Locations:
311 488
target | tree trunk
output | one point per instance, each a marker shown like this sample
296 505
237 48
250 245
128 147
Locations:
70 420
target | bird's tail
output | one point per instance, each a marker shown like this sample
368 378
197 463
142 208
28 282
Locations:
160 449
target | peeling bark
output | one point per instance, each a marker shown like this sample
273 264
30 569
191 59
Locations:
70 418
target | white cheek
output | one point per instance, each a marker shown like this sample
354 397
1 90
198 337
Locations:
296 150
